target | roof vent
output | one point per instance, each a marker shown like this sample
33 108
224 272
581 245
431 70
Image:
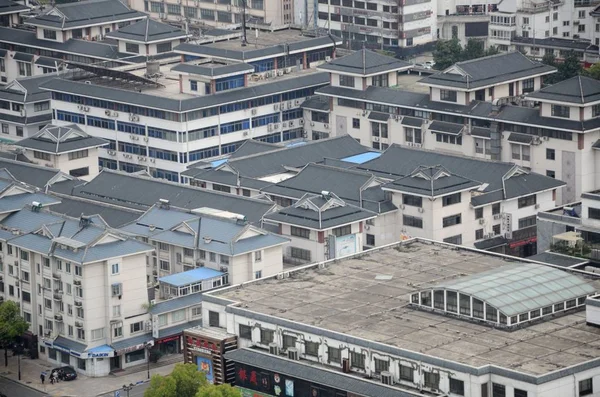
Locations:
164 203
151 228
207 240
325 194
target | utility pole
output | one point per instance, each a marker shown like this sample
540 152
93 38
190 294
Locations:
244 39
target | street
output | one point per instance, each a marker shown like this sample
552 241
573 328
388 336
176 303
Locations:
14 389
136 391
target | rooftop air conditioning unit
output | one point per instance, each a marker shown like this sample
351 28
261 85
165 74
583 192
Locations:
292 353
386 378
273 349
326 126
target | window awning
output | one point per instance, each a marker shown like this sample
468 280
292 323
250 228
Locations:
23 57
131 344
523 139
48 62
446 128
68 346
378 116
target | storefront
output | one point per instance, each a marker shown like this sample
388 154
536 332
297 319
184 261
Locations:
91 362
170 340
130 352
206 348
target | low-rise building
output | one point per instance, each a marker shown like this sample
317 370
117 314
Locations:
413 318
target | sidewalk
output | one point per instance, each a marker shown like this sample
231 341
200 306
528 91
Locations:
83 386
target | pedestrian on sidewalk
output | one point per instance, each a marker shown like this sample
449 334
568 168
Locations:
42 377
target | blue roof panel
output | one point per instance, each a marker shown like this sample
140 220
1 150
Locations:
190 277
362 157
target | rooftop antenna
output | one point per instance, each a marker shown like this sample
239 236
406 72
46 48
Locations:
244 39
364 59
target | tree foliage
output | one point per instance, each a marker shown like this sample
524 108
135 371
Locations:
219 391
184 381
594 71
448 52
569 67
12 325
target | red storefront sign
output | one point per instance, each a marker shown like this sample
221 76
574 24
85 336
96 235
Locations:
168 338
203 344
522 242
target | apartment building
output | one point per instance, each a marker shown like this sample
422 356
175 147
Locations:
464 19
521 23
228 14
489 108
66 148
201 109
387 339
206 238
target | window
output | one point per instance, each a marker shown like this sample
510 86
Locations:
245 332
266 336
357 360
413 201
412 221
527 201
586 387
448 95
498 390
334 355
78 271
289 341
136 327
116 310
381 365
346 81
213 319
457 387
595 113
311 349
561 111
163 47
342 231
451 199
496 209
164 265
50 34
550 174
116 289
47 303
41 106
550 154
300 253
300 232
432 380
4 128
213 256
381 80
79 312
193 85
528 85
223 259
593 213
41 155
370 240
452 220
178 315
115 268
24 68
257 274
406 373
479 213
465 304
97 333
484 390
132 48
520 393
196 311
451 301
25 255
78 154
355 123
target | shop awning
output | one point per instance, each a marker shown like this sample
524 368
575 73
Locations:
131 344
23 57
101 351
177 329
67 345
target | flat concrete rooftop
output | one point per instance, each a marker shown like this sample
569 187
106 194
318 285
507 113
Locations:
367 296
261 39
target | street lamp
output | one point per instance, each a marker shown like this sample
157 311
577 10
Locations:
128 388
148 346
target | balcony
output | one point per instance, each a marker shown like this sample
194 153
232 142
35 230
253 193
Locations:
537 6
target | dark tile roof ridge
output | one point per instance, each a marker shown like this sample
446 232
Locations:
500 54
339 169
460 155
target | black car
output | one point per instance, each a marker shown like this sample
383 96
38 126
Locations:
65 373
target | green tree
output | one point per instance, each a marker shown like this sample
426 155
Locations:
447 53
570 67
184 381
594 71
12 325
492 50
218 391
473 50
161 386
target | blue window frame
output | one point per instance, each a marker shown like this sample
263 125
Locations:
131 128
193 85
132 148
107 163
164 174
70 117
229 83
235 126
263 66
162 134
101 122
264 120
292 134
128 167
164 154
203 153
292 114
230 148
232 107
271 138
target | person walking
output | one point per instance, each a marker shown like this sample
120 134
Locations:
43 377
52 378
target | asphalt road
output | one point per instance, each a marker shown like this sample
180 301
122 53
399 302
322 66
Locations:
14 389
137 391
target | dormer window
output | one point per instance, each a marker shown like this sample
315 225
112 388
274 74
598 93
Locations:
346 81
380 81
596 110
561 111
448 95
50 34
132 48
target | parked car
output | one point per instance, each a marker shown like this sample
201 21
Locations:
66 373
430 64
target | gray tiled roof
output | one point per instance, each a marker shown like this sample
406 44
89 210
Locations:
378 116
212 70
488 70
62 142
448 128
399 161
11 7
176 304
177 329
412 121
28 221
578 89
82 13
315 375
481 132
365 62
206 101
48 62
250 53
102 252
252 146
425 181
31 174
113 216
556 43
226 178
275 161
147 31
18 201
139 192
316 102
557 259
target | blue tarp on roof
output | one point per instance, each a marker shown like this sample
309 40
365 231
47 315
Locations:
190 277
217 163
362 157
